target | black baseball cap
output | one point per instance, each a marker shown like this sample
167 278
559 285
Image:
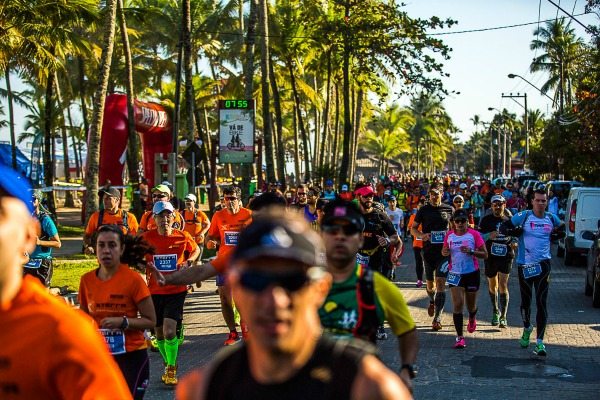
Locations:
278 233
461 213
342 210
111 191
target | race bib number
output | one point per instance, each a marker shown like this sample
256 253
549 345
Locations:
362 260
115 340
453 279
34 263
499 249
231 238
437 237
166 262
531 270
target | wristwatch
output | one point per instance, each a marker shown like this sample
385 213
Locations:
411 368
472 252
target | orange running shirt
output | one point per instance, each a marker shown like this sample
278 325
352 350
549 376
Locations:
169 251
417 243
193 223
147 222
227 227
112 219
52 351
116 297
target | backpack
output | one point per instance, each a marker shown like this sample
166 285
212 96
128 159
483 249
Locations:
123 217
368 322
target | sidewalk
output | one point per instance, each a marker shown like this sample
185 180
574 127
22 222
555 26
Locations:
493 366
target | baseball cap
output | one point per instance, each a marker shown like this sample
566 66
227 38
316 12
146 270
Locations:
458 197
15 186
462 186
111 191
161 206
162 188
191 197
345 187
387 192
329 182
392 198
364 191
460 213
277 234
342 210
498 197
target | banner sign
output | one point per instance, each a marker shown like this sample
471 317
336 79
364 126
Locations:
236 131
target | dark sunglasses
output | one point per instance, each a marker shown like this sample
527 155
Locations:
258 281
159 195
460 221
458 201
348 230
301 194
311 194
368 196
230 198
497 204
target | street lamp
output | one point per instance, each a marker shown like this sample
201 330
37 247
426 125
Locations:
512 76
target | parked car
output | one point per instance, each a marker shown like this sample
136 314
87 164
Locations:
561 190
526 177
582 214
592 275
530 183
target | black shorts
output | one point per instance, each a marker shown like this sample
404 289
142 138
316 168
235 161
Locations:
470 281
168 306
43 273
135 367
494 265
436 265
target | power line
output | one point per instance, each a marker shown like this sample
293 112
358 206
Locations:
574 19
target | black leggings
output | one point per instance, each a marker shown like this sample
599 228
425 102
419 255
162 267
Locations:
540 283
135 367
419 267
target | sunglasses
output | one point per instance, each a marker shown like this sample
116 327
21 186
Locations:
258 281
497 204
458 201
348 230
311 194
230 198
301 194
159 195
368 196
460 221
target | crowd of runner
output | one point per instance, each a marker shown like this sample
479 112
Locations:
339 248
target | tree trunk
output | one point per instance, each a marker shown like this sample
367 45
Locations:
317 144
74 144
264 80
278 126
303 134
336 151
93 158
82 95
344 167
65 144
49 143
11 119
296 147
187 70
357 117
133 145
249 84
325 134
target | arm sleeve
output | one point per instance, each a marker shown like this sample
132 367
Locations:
394 306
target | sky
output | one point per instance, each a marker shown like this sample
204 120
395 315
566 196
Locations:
480 61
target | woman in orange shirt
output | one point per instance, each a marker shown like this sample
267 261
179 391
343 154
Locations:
417 246
113 294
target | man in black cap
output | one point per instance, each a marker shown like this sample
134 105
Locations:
278 282
360 298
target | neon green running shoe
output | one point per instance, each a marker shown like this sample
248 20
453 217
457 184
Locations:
540 350
236 315
524 341
495 319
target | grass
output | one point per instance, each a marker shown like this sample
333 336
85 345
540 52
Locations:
68 273
70 231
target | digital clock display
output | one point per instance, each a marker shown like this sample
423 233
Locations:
236 104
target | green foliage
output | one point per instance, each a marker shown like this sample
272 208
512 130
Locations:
68 273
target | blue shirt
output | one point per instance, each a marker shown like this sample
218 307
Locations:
534 243
48 230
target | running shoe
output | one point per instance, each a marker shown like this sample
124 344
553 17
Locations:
472 325
171 376
381 334
153 344
163 378
419 283
436 325
460 343
181 333
524 341
503 323
431 309
540 350
495 319
232 338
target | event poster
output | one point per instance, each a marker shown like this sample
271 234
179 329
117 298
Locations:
236 131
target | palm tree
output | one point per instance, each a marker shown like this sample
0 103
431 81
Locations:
93 156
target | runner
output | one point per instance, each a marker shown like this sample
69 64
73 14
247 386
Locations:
434 219
361 299
160 193
534 228
40 261
501 250
196 221
345 194
171 246
224 230
397 217
417 245
113 295
459 202
279 284
111 214
464 245
50 351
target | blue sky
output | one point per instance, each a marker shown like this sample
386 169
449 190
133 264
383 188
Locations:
480 61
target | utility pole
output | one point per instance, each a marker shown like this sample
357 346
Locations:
525 122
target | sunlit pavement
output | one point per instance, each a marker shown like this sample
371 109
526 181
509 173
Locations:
493 366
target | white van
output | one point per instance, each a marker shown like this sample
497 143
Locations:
581 214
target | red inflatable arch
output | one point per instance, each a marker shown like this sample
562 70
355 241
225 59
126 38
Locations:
153 124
